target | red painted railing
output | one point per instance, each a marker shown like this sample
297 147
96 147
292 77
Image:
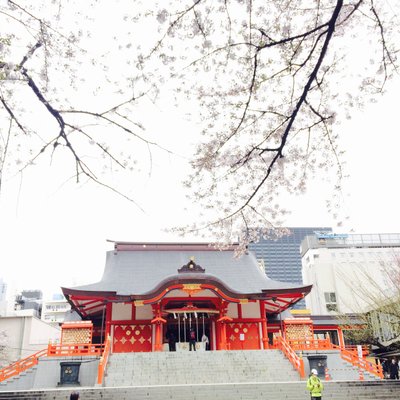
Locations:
297 362
361 363
365 349
80 349
53 350
21 365
310 344
103 361
349 355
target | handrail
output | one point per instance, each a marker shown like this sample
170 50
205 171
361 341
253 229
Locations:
349 355
310 344
361 363
52 350
103 361
21 365
352 347
291 355
76 349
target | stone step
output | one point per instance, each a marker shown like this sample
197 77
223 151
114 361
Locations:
259 391
198 367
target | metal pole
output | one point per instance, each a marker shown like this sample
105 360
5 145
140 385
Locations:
197 327
179 327
102 324
184 329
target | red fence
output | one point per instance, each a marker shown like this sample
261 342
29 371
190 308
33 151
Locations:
21 365
348 354
53 350
361 363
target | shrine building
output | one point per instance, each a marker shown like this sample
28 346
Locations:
152 294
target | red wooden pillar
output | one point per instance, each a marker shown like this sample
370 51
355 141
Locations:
264 325
217 326
158 341
223 337
341 337
223 318
221 331
158 321
218 334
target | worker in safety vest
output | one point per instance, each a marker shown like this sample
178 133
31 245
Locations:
314 385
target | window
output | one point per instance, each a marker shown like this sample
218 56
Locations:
330 297
331 307
330 301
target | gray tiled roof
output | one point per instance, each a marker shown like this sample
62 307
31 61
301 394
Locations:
140 272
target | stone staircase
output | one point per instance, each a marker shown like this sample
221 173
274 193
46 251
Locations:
219 375
227 391
339 370
22 381
172 368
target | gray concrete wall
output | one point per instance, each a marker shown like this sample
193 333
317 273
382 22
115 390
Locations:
47 374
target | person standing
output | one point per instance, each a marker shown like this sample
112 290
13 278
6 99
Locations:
385 368
394 369
74 396
192 339
170 336
205 340
314 385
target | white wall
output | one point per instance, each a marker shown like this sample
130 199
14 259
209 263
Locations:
351 273
25 336
232 310
144 312
121 312
251 310
42 333
3 308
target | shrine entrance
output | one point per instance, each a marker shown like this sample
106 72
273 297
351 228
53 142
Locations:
182 317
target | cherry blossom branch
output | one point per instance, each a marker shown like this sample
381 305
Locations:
302 99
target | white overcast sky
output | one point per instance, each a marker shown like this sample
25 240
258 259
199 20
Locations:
53 233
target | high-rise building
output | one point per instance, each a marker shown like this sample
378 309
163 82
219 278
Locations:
281 257
29 300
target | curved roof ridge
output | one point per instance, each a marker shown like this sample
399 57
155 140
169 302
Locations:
142 272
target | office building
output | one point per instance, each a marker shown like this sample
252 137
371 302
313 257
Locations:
281 257
54 311
348 271
29 300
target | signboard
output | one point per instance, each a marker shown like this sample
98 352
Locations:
330 235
